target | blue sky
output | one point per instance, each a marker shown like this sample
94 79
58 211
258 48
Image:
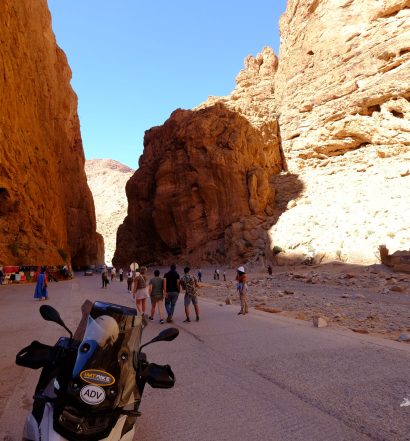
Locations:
136 61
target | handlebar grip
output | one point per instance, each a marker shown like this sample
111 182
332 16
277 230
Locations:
35 356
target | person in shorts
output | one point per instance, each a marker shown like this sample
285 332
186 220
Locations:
140 290
190 284
242 288
156 293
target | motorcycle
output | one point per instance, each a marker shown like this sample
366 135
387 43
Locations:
91 385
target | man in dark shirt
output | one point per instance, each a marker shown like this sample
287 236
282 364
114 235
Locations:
171 291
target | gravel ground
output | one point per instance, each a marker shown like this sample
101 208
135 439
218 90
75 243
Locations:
366 299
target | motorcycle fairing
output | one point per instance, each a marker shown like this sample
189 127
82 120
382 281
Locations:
109 345
45 431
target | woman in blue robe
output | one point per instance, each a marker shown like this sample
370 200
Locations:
41 292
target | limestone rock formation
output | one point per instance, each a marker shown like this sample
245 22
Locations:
203 190
107 179
343 81
342 91
334 112
399 261
46 208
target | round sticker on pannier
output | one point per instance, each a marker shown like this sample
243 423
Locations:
92 394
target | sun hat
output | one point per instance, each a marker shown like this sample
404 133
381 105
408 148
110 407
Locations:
241 269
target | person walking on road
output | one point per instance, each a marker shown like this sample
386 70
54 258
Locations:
104 276
190 284
171 291
129 281
140 290
41 291
242 288
113 273
156 292
121 273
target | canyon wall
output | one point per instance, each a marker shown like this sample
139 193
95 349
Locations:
333 115
46 208
343 80
107 179
342 93
203 190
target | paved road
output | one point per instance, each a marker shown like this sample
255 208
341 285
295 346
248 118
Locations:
257 377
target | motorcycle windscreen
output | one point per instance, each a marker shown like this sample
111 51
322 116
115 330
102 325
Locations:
104 375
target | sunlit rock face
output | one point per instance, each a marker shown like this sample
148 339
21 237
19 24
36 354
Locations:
343 78
202 191
334 111
343 95
107 179
46 208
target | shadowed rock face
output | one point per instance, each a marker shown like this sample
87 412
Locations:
203 190
204 174
47 211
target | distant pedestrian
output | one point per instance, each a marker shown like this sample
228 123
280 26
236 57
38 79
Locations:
171 291
140 290
269 270
41 291
104 277
156 292
113 273
121 273
199 275
217 274
190 284
242 288
65 271
224 276
129 281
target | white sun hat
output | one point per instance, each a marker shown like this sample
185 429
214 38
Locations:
241 269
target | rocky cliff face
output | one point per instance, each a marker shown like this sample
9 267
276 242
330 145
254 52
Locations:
343 95
203 190
107 179
46 208
334 112
343 82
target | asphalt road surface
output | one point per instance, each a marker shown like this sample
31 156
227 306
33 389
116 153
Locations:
254 377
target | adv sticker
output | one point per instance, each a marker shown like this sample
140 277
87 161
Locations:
92 394
97 377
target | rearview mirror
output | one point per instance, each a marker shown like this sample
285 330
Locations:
52 315
168 334
165 335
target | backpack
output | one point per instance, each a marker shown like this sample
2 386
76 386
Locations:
190 284
141 283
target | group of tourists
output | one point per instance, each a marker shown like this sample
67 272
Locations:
163 291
